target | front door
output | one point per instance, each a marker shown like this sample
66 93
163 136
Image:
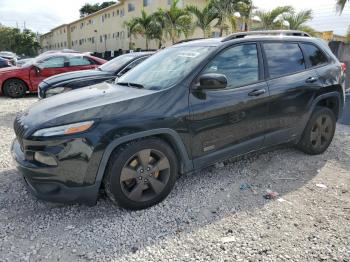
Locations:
48 67
230 121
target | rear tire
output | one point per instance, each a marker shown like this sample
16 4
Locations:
319 132
15 88
141 173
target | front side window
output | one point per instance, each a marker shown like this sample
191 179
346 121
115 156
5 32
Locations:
284 58
132 65
79 61
53 62
166 68
315 55
240 65
116 63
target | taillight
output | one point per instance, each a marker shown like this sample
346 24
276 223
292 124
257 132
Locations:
343 67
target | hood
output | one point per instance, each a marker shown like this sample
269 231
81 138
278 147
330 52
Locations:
82 104
10 69
75 76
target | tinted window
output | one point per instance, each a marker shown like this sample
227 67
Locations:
132 65
239 64
284 58
117 63
316 56
53 62
79 61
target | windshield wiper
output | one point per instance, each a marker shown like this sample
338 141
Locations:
129 84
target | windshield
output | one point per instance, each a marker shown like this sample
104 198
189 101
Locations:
165 68
116 63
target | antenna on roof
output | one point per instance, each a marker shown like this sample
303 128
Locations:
266 32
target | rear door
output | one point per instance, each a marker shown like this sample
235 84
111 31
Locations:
76 63
232 120
292 86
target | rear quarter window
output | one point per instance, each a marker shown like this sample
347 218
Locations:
315 55
283 58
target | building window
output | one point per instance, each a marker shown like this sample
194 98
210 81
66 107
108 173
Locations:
118 12
93 40
113 13
101 39
147 3
122 12
131 7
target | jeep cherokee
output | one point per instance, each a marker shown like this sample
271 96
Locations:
183 109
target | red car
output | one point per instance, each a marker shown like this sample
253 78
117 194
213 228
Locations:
16 81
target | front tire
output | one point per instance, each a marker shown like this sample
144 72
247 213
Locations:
319 132
141 173
15 88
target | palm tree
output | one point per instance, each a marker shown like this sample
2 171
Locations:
205 17
158 27
144 26
176 21
340 5
224 10
296 21
268 19
131 27
245 9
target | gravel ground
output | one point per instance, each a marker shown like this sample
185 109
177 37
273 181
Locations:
207 217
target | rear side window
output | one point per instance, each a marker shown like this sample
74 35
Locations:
315 55
284 58
79 61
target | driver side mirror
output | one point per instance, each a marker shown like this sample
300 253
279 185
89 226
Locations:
211 81
37 68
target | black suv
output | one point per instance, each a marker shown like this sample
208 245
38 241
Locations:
183 109
107 72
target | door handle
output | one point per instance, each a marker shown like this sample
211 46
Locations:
258 92
311 80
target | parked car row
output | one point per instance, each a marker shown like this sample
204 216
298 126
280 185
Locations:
11 57
182 109
109 71
15 82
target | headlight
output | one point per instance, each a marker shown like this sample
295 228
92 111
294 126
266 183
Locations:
65 130
57 90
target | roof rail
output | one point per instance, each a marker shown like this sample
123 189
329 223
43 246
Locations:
188 40
266 32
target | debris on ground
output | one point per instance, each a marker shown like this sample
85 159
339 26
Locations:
321 186
270 194
245 186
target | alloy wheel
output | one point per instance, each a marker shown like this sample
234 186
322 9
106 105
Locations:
321 132
15 88
145 175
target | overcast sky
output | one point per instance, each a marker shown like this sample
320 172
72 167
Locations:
42 15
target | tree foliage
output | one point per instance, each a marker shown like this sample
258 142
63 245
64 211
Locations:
296 21
270 19
88 9
17 41
204 18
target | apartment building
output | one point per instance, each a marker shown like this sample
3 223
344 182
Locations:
104 30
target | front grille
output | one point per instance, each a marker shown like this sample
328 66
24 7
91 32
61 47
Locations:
19 128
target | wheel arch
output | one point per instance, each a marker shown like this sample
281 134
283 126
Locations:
332 100
13 78
170 136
